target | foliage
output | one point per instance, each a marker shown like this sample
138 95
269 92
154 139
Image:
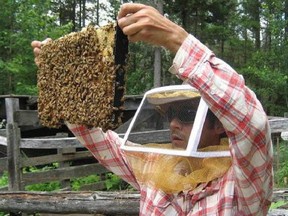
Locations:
22 22
113 182
275 205
44 168
4 179
140 73
78 182
48 186
269 85
282 173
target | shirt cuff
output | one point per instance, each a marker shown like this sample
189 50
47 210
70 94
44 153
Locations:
179 58
190 55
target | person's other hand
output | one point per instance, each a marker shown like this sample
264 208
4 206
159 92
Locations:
36 46
144 23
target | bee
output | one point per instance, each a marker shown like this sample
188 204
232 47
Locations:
76 73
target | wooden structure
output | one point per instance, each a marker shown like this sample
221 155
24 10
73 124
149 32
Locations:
66 153
107 203
67 150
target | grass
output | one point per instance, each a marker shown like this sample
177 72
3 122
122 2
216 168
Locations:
279 204
4 179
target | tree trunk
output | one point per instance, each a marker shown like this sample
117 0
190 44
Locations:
157 53
286 17
84 13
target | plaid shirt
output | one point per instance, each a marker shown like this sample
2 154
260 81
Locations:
246 189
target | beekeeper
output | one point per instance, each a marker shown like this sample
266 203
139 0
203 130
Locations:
243 185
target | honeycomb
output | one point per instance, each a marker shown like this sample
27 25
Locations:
77 79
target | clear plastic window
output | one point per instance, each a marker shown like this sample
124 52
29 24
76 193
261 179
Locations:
169 120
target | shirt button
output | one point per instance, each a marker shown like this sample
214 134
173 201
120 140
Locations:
181 70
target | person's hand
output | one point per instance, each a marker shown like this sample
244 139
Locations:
144 23
36 46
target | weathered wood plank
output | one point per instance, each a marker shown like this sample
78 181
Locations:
63 164
3 132
3 140
4 188
3 164
47 159
26 117
117 203
63 173
72 142
278 125
93 186
50 143
11 105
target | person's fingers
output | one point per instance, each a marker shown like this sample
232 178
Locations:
130 25
36 44
126 21
46 41
129 8
140 21
136 32
36 51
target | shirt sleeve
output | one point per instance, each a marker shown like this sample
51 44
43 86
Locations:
242 116
105 147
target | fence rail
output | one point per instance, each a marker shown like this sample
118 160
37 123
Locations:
116 203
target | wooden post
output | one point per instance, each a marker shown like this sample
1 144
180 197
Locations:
14 157
11 105
13 145
66 183
286 177
13 149
278 157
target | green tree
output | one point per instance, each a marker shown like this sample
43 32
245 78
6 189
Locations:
267 69
22 22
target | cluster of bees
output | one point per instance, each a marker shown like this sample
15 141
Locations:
76 79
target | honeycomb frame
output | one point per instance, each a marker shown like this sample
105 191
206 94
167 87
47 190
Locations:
81 78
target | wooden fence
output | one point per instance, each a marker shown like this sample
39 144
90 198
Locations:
70 155
63 150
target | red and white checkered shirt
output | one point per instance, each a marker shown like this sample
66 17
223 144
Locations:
246 189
